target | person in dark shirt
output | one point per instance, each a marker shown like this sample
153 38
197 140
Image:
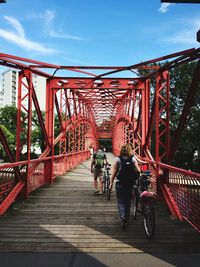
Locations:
126 171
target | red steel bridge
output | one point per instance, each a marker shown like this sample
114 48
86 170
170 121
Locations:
93 102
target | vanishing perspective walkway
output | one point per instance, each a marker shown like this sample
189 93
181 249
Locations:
66 216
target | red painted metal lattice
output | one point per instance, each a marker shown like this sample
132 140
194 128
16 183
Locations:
80 110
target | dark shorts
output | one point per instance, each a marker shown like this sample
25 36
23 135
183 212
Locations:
98 173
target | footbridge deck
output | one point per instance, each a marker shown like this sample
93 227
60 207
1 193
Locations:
66 216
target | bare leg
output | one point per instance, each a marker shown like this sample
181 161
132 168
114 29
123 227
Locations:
101 184
96 184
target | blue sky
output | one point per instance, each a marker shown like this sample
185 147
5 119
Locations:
89 32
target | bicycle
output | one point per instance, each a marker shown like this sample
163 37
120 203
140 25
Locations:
143 203
106 181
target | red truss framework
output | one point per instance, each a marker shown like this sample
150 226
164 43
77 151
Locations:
94 104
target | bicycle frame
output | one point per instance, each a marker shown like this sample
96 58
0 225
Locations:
144 202
106 181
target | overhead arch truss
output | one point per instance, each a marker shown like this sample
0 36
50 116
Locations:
81 109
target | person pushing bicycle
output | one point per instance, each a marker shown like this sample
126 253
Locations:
127 171
98 161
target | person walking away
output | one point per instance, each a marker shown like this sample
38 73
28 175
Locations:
98 161
126 171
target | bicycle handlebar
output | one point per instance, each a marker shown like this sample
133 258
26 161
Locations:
107 165
143 181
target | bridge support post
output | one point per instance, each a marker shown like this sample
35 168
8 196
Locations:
30 96
162 125
25 99
49 124
145 114
162 117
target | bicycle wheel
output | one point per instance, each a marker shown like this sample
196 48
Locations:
135 204
104 184
149 221
108 187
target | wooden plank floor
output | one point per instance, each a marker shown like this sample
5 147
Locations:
66 216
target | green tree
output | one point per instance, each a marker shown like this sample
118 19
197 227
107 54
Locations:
11 141
8 119
37 138
189 144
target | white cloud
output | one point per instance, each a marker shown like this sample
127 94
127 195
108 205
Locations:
185 36
194 22
76 61
16 25
18 37
49 17
54 34
164 7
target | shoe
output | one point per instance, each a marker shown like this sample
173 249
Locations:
100 193
123 223
127 221
96 192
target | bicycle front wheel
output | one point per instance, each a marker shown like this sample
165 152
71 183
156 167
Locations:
108 188
135 204
149 221
104 184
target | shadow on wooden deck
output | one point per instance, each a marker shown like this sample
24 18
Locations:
67 217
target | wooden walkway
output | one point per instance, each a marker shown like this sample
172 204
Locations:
67 217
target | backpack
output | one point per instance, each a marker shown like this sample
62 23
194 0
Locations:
128 173
99 160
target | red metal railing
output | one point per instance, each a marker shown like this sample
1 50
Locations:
180 189
87 105
183 189
7 182
10 187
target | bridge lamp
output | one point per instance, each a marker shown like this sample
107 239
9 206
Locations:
181 1
198 36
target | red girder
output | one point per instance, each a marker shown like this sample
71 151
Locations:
93 83
84 105
9 154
